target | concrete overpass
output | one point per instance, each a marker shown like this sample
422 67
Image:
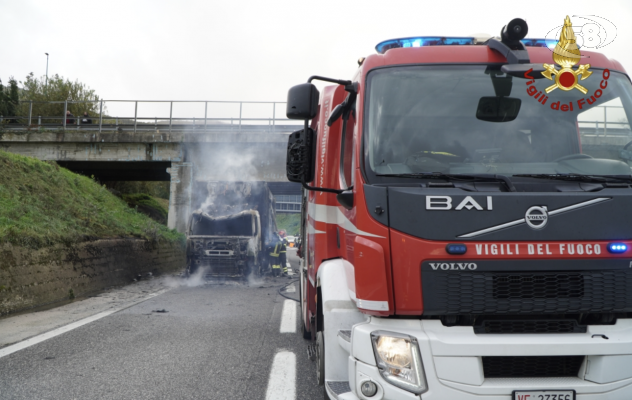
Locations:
179 150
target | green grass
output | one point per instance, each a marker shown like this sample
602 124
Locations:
290 222
148 205
42 204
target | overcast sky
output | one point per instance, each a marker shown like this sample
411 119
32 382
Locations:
248 50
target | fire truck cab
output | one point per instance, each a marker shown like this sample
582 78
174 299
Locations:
466 228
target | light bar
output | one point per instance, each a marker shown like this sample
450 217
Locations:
423 41
617 248
549 43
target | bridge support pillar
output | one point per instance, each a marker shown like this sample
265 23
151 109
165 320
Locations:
180 195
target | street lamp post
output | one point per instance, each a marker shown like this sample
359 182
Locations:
46 70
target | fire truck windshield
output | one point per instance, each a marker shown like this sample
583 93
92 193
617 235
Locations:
423 119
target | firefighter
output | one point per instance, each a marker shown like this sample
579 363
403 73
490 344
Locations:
283 252
284 256
275 256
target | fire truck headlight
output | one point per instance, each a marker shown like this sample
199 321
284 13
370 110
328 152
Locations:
399 360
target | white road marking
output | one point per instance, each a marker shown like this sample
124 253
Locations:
290 289
282 381
56 332
289 269
288 317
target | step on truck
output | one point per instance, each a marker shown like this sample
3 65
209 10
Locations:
231 232
467 221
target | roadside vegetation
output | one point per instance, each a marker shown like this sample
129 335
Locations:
149 198
147 205
290 222
15 97
42 204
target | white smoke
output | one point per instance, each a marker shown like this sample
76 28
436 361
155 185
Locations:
194 280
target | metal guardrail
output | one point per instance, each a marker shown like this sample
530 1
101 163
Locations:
139 123
620 128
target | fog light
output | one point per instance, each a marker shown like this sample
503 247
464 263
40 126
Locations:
399 360
368 388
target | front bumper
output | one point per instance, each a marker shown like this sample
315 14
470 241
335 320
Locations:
452 360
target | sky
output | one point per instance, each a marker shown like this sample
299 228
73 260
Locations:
247 50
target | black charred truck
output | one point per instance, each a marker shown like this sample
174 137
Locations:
230 233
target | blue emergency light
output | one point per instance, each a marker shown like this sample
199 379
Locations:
617 248
549 43
456 249
423 41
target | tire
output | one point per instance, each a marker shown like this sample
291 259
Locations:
320 359
252 268
307 335
191 268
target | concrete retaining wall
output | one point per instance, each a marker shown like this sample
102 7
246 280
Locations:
32 278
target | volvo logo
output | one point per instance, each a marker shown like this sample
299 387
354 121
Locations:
537 217
453 266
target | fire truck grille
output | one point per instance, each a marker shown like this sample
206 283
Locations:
541 286
530 326
532 367
522 293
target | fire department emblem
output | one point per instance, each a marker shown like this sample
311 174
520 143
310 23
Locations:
566 54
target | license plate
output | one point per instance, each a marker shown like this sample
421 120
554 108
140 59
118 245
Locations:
544 395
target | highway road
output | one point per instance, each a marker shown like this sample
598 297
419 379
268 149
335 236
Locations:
213 341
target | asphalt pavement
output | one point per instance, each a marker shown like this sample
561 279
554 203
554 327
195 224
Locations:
214 341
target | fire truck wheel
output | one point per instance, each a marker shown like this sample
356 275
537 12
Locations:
306 334
320 359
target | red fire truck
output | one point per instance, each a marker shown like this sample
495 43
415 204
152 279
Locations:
467 222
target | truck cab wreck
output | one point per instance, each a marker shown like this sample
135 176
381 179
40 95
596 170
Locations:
466 226
225 246
231 232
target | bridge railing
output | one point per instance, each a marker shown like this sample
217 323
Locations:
605 121
601 120
30 118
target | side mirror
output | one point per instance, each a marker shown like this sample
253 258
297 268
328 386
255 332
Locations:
498 109
302 102
300 160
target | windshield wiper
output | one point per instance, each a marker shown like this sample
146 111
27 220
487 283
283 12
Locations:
580 177
459 177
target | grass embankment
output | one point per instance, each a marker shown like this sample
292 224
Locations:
291 223
148 205
42 204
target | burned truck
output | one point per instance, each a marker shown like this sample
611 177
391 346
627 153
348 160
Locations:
229 233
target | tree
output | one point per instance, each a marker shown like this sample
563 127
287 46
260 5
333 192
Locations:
12 100
9 101
3 104
79 96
